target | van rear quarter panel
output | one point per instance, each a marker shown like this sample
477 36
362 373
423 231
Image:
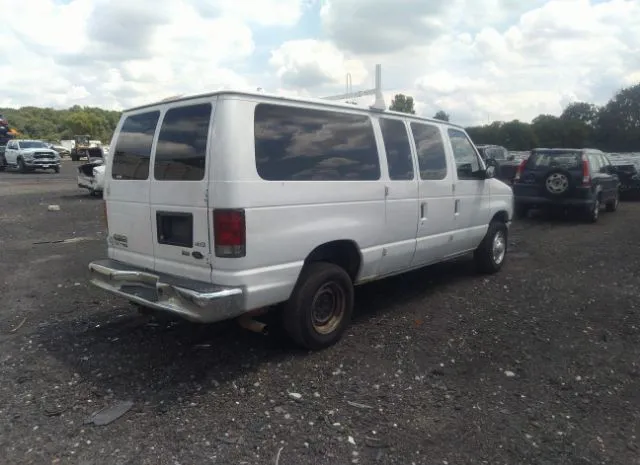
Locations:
285 220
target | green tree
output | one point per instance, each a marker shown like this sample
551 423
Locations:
441 115
403 103
581 111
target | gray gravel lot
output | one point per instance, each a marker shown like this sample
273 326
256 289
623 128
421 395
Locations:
539 364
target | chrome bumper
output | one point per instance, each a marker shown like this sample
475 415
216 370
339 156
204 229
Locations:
192 300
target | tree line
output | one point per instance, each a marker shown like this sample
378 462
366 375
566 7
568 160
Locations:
54 125
613 127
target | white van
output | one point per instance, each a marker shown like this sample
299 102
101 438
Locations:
229 203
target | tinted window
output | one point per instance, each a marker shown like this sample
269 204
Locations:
396 143
182 144
595 163
465 155
300 144
554 159
133 148
431 158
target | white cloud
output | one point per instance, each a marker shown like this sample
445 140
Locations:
474 59
310 63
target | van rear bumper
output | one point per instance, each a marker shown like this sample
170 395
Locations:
192 300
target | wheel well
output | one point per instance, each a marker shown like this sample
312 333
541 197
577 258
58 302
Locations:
501 217
344 253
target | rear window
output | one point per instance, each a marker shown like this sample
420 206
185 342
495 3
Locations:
301 144
133 147
545 160
182 144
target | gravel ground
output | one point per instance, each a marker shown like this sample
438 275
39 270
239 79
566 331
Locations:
539 364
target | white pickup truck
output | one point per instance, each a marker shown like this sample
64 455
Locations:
29 155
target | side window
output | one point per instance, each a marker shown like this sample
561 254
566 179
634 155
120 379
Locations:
301 144
465 155
594 162
432 160
605 163
182 144
133 147
396 143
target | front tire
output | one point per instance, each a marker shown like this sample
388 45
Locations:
56 169
492 251
21 166
320 307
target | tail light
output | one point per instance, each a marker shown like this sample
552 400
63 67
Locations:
586 176
229 232
520 170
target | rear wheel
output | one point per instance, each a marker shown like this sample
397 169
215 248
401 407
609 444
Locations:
613 204
320 308
3 163
490 254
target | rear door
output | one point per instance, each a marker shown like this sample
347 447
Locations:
435 232
401 198
127 194
179 204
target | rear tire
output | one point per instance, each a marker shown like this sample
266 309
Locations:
613 205
492 251
320 307
3 163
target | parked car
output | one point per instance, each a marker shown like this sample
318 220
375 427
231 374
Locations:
581 179
28 155
226 204
497 156
91 177
629 176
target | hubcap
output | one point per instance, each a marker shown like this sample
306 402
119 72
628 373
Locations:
499 247
328 308
557 183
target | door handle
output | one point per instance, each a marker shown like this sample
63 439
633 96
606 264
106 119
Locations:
456 208
423 210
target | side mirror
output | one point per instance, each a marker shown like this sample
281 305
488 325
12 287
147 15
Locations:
490 172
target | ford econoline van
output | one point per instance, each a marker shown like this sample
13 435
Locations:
225 204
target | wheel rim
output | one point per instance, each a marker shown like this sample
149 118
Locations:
328 308
499 247
557 183
596 208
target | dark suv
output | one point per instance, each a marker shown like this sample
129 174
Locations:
582 179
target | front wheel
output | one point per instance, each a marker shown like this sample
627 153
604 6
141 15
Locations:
490 254
21 166
320 308
56 169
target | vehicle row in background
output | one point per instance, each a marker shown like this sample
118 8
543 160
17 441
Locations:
579 179
504 163
29 155
91 174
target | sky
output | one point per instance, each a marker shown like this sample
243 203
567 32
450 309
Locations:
478 60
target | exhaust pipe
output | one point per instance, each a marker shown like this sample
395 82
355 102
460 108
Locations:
246 321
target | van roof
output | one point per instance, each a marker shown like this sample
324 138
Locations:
283 98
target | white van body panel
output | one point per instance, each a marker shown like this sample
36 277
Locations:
395 225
